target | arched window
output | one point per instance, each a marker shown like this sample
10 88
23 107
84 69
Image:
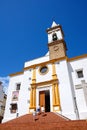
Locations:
54 37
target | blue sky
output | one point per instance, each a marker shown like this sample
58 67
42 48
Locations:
23 25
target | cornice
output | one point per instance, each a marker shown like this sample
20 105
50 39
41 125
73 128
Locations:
45 63
77 58
52 28
49 62
53 81
56 42
17 73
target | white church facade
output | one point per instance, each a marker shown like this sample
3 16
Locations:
54 81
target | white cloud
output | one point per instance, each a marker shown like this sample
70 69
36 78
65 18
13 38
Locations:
5 83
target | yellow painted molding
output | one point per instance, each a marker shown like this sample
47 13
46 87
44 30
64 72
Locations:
55 60
77 57
17 73
34 75
53 95
33 90
32 107
33 86
54 76
53 81
49 62
53 69
57 95
33 80
31 97
55 105
34 97
45 63
56 42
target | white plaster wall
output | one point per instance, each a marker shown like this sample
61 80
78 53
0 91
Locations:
81 104
36 61
66 98
59 35
1 93
1 98
77 65
81 100
24 98
11 88
44 77
66 73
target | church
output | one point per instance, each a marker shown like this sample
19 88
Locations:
54 81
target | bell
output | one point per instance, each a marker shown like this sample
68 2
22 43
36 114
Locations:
54 37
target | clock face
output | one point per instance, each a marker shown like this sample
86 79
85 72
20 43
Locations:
56 48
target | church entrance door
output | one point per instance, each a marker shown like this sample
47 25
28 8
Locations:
44 100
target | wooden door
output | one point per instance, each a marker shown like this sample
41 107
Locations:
42 98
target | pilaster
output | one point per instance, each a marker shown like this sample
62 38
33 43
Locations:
33 92
55 90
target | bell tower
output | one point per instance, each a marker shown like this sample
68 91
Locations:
56 43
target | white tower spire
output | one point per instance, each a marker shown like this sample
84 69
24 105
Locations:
54 24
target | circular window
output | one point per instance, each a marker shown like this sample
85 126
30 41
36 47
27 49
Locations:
43 69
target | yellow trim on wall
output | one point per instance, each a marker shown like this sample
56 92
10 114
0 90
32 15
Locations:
55 60
56 97
34 75
53 95
45 63
77 57
54 75
17 73
49 62
33 90
31 97
32 108
45 83
55 89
